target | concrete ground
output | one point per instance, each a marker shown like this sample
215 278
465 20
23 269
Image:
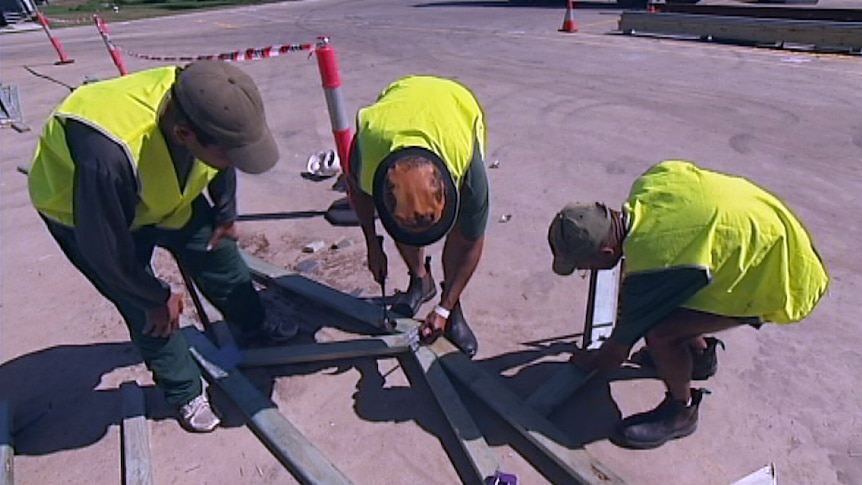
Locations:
571 117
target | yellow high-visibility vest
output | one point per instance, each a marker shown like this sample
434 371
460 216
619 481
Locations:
428 112
760 259
125 110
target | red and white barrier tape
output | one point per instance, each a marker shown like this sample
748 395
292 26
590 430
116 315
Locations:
243 55
80 20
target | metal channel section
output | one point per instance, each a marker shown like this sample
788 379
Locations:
576 462
602 306
306 463
601 316
821 34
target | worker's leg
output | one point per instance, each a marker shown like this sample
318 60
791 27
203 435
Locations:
676 416
220 272
421 287
669 343
168 358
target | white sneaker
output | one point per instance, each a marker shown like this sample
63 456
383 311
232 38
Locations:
324 164
198 416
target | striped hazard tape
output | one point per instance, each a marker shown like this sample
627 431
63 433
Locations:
79 20
252 54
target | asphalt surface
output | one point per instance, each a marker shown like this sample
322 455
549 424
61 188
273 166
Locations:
572 117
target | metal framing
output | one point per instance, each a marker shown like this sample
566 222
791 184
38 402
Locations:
575 461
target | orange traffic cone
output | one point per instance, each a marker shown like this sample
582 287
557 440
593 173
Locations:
569 24
651 7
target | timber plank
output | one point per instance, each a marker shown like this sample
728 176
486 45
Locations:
472 441
135 431
575 462
307 464
7 450
388 345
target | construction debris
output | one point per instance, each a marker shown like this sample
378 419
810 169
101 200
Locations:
342 243
10 108
313 247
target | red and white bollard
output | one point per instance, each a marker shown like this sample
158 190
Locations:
115 53
58 46
330 75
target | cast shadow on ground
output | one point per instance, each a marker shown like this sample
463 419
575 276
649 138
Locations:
54 399
589 417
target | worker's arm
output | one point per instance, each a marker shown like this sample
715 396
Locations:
646 299
363 205
105 197
222 191
465 242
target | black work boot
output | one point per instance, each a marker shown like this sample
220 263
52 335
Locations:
418 292
459 333
704 365
672 419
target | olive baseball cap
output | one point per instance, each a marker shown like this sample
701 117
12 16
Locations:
224 102
576 234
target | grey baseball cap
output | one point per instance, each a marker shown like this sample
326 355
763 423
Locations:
224 102
576 234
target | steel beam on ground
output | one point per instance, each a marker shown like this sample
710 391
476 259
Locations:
482 459
307 464
759 30
345 304
386 346
575 461
135 431
601 317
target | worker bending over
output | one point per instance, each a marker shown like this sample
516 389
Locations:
121 167
417 159
703 252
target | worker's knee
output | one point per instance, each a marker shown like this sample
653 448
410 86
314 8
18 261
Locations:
665 335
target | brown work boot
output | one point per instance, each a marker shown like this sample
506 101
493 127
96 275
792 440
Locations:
670 420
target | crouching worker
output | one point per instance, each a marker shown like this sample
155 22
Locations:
121 167
704 252
417 159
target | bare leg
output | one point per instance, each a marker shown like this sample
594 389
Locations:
413 257
669 341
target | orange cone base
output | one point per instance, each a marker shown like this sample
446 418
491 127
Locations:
569 26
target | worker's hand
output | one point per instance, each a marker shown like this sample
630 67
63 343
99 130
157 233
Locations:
432 328
222 231
165 320
610 356
377 261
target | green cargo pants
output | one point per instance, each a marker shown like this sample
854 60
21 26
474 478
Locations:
221 274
